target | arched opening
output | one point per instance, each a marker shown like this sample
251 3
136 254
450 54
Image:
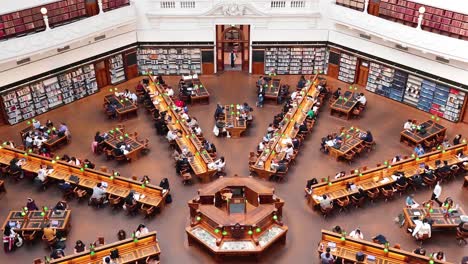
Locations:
232 47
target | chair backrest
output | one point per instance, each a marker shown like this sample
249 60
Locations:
134 178
103 169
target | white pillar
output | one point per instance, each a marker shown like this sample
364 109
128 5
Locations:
46 19
250 48
100 7
422 9
215 49
366 4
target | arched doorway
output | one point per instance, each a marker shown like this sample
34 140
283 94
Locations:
232 47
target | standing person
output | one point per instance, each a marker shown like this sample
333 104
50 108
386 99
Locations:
457 139
233 59
436 193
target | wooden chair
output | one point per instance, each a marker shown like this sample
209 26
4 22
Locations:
357 202
349 157
115 202
401 188
430 183
370 145
279 176
109 153
373 194
16 175
147 210
29 236
4 171
146 148
104 169
461 237
38 261
343 203
121 158
131 209
80 194
68 194
326 212
387 194
252 158
49 243
98 203
444 176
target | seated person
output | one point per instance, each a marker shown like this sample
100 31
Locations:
302 82
420 251
396 159
417 180
112 110
422 229
197 129
15 166
98 137
337 93
340 174
356 234
282 166
220 164
380 239
310 114
419 150
428 173
89 164
289 150
303 128
409 125
439 256
99 193
444 168
49 233
361 193
172 135
410 202
326 203
61 205
261 145
74 161
361 99
57 253
169 91
401 179
367 137
41 174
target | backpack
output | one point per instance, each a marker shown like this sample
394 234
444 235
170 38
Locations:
168 199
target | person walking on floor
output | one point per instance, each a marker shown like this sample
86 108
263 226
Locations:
233 59
436 193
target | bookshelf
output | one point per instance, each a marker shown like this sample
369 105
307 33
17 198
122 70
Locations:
347 70
169 61
296 60
113 4
116 69
436 20
413 89
29 20
355 4
397 90
380 79
454 105
426 96
47 94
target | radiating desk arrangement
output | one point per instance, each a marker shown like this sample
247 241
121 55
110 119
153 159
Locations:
123 106
37 220
201 158
235 124
432 130
347 247
236 216
262 166
116 136
118 186
351 143
272 89
199 93
51 143
344 105
441 220
381 176
131 250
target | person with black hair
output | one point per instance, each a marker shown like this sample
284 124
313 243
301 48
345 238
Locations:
326 257
420 251
79 247
141 230
164 184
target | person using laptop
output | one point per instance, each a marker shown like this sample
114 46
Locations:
99 192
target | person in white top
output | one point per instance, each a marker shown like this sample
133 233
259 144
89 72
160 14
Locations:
422 229
74 161
36 124
362 99
356 234
408 125
38 141
289 151
41 174
261 146
436 193
141 230
198 130
293 95
185 116
133 97
220 164
171 135
170 91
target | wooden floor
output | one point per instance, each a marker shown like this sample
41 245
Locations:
383 117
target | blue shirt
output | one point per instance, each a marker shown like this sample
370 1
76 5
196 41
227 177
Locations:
419 151
409 200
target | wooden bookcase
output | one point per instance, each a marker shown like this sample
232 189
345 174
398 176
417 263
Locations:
113 4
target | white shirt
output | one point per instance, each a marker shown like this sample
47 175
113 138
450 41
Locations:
437 191
42 174
289 152
171 135
362 99
98 192
37 124
421 229
133 97
220 165
355 235
261 146
38 142
198 131
185 116
170 92
143 231
408 126
293 95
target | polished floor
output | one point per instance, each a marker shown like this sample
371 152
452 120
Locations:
383 117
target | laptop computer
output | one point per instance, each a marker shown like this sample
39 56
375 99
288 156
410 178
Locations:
75 179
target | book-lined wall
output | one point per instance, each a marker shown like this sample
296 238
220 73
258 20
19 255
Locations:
347 70
42 96
112 4
298 60
116 69
169 61
436 20
355 4
427 95
28 20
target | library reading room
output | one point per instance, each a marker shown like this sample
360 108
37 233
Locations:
234 131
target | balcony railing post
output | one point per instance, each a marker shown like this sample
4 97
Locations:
422 9
366 4
101 11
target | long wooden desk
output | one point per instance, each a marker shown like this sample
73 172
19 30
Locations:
272 89
440 221
289 129
88 178
130 251
433 130
351 140
375 253
34 221
201 158
234 125
123 106
344 104
117 136
381 176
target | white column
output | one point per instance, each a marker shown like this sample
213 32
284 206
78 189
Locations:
46 18
100 7
250 48
366 4
215 49
422 9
